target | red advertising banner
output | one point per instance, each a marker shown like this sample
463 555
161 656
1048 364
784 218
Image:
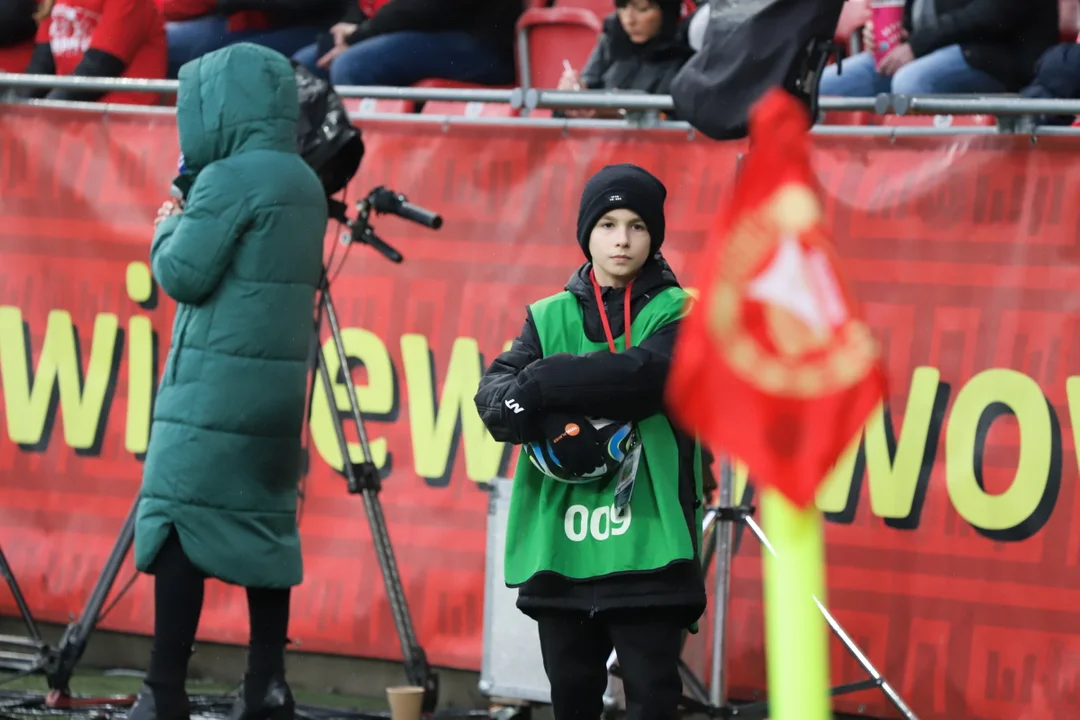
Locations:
953 558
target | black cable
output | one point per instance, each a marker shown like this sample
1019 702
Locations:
119 596
307 441
341 264
18 676
340 226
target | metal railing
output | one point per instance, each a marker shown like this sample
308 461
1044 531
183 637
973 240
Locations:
643 109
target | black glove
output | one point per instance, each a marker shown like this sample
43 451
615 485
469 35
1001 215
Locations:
522 409
576 443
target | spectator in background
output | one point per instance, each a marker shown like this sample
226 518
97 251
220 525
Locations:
17 22
18 25
642 47
99 38
197 27
407 41
1057 73
954 46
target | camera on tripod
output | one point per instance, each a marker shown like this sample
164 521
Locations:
332 146
382 201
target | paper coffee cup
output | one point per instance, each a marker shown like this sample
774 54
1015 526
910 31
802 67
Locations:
887 17
406 702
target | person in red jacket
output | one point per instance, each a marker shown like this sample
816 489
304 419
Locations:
99 38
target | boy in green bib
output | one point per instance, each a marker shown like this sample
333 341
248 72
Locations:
603 559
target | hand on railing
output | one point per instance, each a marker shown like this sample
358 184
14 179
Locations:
570 81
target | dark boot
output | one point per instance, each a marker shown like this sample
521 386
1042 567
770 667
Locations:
148 707
276 703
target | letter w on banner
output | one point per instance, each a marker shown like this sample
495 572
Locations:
774 363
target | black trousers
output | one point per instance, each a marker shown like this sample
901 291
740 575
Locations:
576 647
178 601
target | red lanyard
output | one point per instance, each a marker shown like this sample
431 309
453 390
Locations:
603 313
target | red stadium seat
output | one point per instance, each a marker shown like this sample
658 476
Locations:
469 109
848 117
855 14
548 36
15 59
459 85
602 8
367 106
939 120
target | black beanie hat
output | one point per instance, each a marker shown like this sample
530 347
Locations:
622 186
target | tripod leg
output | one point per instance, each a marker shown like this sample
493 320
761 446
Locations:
839 631
20 601
73 643
722 596
363 479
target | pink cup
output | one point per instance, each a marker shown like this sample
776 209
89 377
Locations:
887 17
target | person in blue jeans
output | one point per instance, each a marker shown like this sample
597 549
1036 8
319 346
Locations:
189 39
208 25
407 41
954 46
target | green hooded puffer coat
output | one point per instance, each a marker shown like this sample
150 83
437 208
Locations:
243 262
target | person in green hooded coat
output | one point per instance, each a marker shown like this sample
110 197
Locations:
242 257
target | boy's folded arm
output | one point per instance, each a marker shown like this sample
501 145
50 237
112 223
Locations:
624 386
509 398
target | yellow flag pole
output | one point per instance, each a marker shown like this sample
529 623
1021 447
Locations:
796 637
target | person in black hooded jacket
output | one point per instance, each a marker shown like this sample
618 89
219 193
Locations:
643 46
642 614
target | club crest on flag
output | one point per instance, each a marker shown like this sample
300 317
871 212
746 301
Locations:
774 364
780 313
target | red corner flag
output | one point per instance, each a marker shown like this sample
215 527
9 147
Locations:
774 363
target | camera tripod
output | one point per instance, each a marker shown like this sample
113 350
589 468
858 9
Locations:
721 533
362 478
32 654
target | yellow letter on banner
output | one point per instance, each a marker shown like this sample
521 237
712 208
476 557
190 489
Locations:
433 424
376 396
896 467
140 361
1022 509
28 402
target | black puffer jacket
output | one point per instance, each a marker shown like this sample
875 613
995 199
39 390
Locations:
17 22
625 386
1003 38
616 63
1057 77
